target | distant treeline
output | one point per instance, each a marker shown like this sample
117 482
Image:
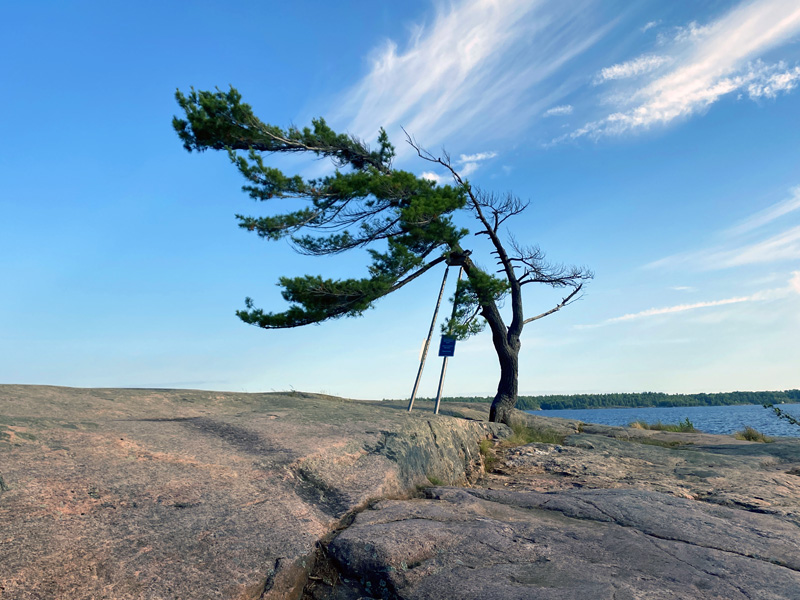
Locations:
641 399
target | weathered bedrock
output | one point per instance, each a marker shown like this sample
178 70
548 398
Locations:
494 544
150 494
611 513
156 494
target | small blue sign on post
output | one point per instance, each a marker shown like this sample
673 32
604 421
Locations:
447 346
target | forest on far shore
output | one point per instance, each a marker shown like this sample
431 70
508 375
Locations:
640 399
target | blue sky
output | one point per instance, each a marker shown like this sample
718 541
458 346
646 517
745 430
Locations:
658 143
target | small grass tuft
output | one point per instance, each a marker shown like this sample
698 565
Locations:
489 455
685 426
662 443
435 480
751 434
524 434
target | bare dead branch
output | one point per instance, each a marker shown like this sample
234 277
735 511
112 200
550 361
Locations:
568 300
537 269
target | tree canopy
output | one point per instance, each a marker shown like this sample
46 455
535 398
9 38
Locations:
404 222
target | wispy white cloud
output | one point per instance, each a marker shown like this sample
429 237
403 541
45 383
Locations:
708 62
783 246
682 288
479 68
687 33
632 68
559 111
477 157
468 169
792 288
769 214
466 165
749 242
654 312
435 177
649 25
794 282
769 80
779 247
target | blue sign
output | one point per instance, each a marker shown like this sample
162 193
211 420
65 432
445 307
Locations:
447 346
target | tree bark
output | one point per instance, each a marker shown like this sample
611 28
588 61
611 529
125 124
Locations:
506 344
506 397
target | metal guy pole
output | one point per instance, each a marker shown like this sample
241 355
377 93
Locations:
444 360
427 341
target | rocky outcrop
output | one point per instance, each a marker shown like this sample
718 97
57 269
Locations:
477 544
609 513
148 494
151 494
715 469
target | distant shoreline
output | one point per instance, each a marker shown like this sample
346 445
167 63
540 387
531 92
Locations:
642 400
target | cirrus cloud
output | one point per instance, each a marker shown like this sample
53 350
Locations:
706 63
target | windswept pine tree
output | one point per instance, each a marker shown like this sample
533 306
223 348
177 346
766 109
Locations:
405 223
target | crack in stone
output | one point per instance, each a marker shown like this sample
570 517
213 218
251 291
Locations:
433 433
694 567
544 506
687 542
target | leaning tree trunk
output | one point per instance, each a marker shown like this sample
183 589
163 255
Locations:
506 398
506 344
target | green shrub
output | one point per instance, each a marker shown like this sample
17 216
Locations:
685 426
751 434
435 480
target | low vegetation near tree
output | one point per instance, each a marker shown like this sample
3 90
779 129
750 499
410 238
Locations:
406 224
685 426
523 433
488 453
752 434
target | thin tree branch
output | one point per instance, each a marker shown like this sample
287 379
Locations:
556 308
515 328
413 276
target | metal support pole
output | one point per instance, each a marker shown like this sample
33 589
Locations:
427 342
444 361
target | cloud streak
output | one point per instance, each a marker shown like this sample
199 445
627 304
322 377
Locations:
793 287
649 25
654 312
773 247
477 157
632 68
479 68
707 62
559 111
768 214
466 165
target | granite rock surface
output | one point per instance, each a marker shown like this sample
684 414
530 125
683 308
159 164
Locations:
610 513
175 494
156 494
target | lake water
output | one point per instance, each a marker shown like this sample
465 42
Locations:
710 419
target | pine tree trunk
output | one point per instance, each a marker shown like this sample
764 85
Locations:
506 344
506 398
